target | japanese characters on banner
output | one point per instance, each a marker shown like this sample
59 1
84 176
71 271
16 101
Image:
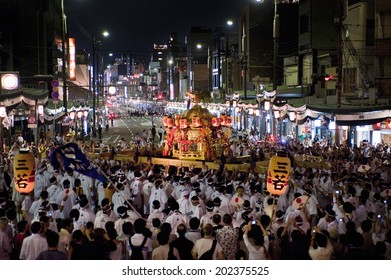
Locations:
24 172
278 175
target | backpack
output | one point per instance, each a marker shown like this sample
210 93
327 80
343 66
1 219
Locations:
137 251
208 255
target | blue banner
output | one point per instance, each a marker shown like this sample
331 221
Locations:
70 155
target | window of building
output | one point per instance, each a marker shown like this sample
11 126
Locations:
304 23
370 33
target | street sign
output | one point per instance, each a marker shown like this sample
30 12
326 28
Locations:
32 120
55 83
55 95
31 125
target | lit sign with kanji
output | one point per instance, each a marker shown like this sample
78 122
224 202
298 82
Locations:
72 59
24 172
278 175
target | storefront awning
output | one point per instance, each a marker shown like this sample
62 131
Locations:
26 95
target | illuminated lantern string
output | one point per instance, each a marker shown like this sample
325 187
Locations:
24 171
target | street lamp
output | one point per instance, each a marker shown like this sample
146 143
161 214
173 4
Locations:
85 111
269 121
64 68
95 65
234 104
276 36
259 113
199 46
3 114
263 104
294 117
278 117
171 78
243 60
40 118
79 116
72 116
227 58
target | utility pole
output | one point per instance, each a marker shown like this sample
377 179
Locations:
226 66
339 20
210 87
93 87
244 60
276 36
64 68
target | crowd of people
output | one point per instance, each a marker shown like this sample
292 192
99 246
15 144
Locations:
149 211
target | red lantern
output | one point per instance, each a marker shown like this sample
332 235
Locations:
183 123
196 121
24 172
165 120
170 122
215 121
223 120
178 117
229 121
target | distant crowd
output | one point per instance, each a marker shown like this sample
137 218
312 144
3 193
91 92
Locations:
144 211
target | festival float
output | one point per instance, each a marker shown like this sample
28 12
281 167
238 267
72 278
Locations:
196 134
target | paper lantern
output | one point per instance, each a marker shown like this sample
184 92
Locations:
229 121
196 121
278 175
183 123
178 117
165 120
215 121
223 120
24 171
170 122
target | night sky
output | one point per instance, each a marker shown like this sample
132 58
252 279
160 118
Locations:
135 26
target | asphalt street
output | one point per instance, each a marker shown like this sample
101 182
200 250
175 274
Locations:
128 126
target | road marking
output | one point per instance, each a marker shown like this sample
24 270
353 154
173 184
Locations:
116 139
126 125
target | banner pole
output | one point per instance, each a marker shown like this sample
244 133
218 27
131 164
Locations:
112 183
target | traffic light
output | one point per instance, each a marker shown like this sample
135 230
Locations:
328 77
322 77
